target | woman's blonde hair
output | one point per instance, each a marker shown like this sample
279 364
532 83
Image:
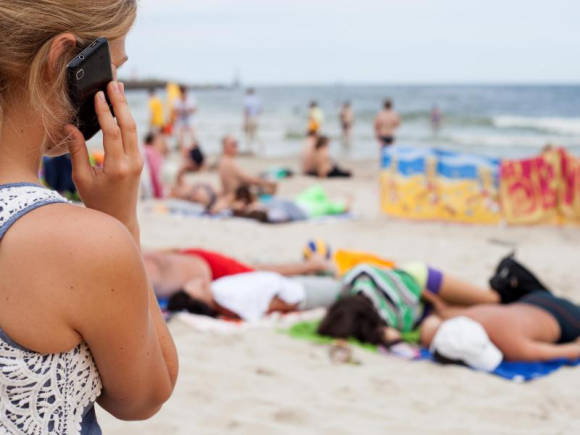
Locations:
28 28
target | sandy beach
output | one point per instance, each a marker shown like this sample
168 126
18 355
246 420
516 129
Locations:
262 382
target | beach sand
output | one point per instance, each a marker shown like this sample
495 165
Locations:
262 382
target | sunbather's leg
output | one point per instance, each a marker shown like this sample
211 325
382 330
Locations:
183 170
320 291
456 291
449 288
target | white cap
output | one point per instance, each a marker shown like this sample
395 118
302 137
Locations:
465 340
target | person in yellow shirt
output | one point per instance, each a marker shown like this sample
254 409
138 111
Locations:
315 118
157 117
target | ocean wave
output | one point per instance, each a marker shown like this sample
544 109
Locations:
494 141
545 125
562 126
449 119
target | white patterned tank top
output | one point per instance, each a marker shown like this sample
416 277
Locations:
43 394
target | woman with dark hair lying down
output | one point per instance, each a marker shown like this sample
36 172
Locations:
208 283
537 327
311 203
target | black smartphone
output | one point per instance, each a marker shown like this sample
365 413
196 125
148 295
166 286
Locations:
88 73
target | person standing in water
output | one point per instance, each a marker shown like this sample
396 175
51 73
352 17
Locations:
156 116
346 122
386 124
315 118
252 112
184 109
435 119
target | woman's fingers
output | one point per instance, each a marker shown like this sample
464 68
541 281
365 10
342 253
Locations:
79 154
112 138
124 118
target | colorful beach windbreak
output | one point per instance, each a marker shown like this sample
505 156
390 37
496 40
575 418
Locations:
425 183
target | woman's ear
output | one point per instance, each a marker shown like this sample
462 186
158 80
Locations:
60 50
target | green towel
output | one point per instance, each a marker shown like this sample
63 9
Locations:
307 331
317 203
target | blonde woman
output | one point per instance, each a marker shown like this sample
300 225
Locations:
78 320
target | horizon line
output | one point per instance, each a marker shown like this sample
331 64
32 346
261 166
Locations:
331 83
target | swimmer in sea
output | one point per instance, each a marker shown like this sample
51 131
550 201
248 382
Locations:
386 124
346 122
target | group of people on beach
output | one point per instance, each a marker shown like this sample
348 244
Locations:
241 193
522 319
371 303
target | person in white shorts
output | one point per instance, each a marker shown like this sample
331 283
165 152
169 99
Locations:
184 111
252 112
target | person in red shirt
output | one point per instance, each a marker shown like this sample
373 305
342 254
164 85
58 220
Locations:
190 272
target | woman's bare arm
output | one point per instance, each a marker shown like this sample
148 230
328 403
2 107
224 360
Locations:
441 308
117 315
315 265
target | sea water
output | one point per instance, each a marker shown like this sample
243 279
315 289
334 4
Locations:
503 121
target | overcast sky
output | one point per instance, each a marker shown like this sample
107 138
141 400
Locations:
357 41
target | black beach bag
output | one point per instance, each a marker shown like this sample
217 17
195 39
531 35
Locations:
513 281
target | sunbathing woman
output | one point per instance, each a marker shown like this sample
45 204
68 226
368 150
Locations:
312 203
209 283
203 194
381 304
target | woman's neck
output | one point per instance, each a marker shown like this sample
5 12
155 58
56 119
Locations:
21 136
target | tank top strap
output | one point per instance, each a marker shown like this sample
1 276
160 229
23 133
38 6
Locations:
18 199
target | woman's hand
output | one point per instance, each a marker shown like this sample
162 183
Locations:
438 304
112 189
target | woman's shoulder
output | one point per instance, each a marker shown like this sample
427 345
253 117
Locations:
63 261
61 234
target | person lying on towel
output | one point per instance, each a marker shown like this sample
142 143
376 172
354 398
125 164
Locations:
208 283
530 324
312 203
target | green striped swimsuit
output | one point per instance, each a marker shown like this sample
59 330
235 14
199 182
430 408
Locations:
395 294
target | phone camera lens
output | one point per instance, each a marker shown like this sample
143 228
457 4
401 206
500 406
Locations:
80 74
